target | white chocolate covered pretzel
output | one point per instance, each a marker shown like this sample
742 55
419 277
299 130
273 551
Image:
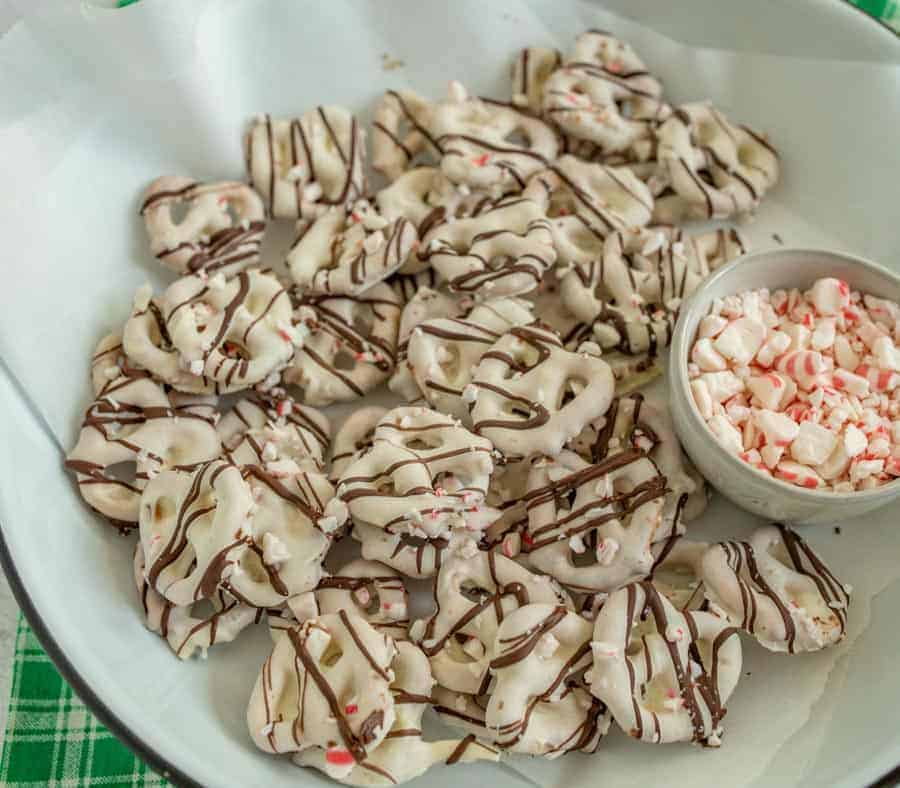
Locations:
426 304
775 587
348 251
473 596
305 429
404 754
488 144
424 475
292 524
444 352
326 686
195 526
351 346
134 421
235 332
642 422
665 675
591 526
504 250
373 591
713 168
418 557
401 133
146 342
536 649
575 722
354 437
533 395
185 631
530 71
639 272
203 227
301 167
587 201
604 93
676 572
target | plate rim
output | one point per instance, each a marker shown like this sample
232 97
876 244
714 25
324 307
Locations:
158 762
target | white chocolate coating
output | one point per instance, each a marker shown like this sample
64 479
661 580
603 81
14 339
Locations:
603 93
536 649
714 169
351 346
488 144
301 167
592 526
184 631
474 595
444 352
133 420
349 251
424 475
533 395
326 686
237 333
776 588
401 132
354 436
576 722
665 675
194 528
504 250
530 71
218 229
404 754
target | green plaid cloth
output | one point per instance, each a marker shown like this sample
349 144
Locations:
888 11
53 741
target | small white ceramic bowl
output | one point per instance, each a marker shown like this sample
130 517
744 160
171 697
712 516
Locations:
762 495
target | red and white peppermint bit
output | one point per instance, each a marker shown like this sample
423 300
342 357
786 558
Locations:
804 386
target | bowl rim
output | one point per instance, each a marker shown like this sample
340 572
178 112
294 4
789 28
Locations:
678 379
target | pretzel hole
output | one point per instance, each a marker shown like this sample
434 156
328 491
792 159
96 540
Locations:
235 350
417 444
573 387
363 323
473 592
660 693
373 606
747 155
519 138
283 157
458 648
178 211
332 654
518 411
164 508
344 360
203 609
589 556
705 133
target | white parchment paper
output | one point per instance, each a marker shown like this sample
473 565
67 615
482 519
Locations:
95 103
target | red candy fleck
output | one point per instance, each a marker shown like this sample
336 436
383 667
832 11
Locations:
527 539
284 335
351 708
480 161
810 483
615 66
339 757
843 287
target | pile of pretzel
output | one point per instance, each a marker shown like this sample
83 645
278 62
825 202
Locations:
511 284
